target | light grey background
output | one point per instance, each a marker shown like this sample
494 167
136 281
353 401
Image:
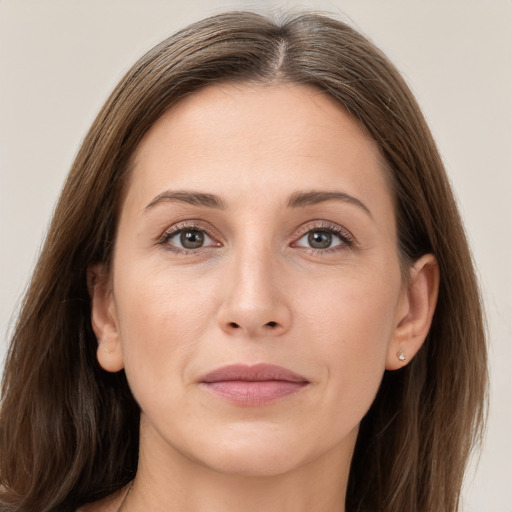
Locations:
59 59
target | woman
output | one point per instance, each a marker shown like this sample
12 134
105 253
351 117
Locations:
256 292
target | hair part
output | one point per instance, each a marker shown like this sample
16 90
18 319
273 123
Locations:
69 430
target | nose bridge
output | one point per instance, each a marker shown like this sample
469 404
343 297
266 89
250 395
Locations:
254 269
254 303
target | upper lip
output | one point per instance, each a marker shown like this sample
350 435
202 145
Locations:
252 373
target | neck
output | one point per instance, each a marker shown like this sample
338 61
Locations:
168 480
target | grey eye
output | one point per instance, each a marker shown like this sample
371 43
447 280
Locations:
192 239
319 239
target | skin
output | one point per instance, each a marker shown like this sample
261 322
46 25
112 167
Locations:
255 292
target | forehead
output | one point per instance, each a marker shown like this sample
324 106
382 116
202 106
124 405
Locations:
228 138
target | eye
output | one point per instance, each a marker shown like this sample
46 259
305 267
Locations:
319 239
324 238
188 238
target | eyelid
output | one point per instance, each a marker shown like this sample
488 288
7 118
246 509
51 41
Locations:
184 225
347 238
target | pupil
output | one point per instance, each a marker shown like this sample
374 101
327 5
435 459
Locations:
320 239
192 239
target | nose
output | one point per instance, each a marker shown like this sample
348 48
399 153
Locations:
254 299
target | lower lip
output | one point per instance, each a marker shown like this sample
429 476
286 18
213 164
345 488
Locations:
254 393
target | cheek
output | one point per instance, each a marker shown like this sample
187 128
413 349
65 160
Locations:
351 326
358 311
162 316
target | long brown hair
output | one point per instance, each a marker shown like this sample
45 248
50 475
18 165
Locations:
69 430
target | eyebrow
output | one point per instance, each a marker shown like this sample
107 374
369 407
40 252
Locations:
301 199
190 197
296 200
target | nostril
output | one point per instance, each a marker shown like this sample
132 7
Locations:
271 324
234 325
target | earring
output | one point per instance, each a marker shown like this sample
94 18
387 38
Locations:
401 356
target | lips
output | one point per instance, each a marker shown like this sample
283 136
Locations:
254 385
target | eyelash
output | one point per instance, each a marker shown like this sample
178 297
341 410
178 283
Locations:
345 237
183 227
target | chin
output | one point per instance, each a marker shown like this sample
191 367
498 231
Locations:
256 457
250 463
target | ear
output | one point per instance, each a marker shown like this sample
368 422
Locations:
104 319
415 312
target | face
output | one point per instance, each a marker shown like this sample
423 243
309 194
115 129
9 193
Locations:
255 292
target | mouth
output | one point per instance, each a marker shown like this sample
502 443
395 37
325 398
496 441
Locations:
253 385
